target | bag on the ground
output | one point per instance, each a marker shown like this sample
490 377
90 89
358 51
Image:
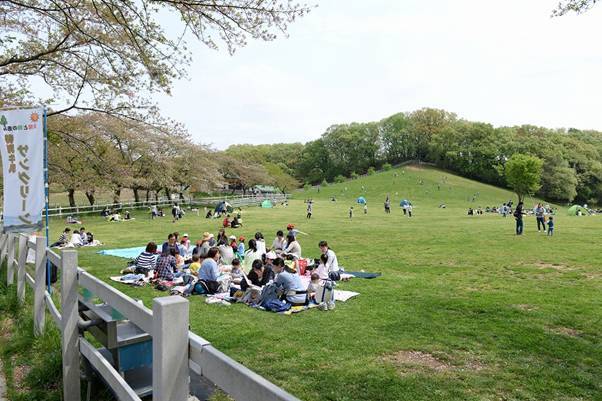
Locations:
276 305
334 275
269 293
200 288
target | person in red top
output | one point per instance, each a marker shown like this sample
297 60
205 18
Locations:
226 222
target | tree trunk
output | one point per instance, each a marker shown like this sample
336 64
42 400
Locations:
136 194
90 196
147 195
71 195
116 196
182 196
168 194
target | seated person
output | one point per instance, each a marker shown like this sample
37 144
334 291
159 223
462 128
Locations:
251 255
166 265
313 285
63 238
292 247
195 266
209 214
209 272
76 239
226 222
147 260
259 275
83 236
332 263
235 223
105 212
73 220
290 284
115 217
236 271
126 215
227 253
279 242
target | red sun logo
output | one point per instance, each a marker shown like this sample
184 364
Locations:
34 117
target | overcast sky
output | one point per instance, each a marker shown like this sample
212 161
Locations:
504 62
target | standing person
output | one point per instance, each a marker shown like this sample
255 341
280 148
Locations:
518 215
551 226
174 212
387 205
154 212
405 209
409 207
351 213
309 209
539 216
365 208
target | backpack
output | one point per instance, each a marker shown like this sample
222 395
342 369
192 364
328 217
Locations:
268 293
276 305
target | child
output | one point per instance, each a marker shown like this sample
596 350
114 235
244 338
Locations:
551 226
313 285
236 272
351 212
195 265
241 247
365 208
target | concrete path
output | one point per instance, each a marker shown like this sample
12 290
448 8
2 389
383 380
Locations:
2 384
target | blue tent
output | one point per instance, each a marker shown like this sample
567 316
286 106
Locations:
405 202
361 200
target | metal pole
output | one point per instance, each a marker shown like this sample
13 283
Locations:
46 196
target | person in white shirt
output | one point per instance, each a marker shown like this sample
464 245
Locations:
332 264
261 248
279 242
292 247
251 255
76 239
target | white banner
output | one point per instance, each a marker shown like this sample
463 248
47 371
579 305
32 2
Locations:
22 148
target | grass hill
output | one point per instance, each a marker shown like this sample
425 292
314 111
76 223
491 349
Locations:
464 310
423 185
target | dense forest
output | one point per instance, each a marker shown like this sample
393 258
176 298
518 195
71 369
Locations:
572 158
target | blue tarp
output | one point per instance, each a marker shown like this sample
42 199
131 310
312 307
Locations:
361 200
128 253
405 202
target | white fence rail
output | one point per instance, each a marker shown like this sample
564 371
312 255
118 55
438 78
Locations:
234 200
175 349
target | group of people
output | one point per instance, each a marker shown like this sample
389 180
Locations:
222 263
540 216
76 238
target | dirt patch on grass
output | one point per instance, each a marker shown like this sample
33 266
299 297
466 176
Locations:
413 167
566 331
6 328
417 358
525 307
555 266
20 372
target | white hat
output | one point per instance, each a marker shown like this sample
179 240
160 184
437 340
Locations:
185 235
233 237
271 255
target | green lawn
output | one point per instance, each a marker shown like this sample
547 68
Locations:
464 310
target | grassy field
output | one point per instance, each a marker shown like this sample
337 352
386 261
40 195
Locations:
465 310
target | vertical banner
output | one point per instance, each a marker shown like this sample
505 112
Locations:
22 148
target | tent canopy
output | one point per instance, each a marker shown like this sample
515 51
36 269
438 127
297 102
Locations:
267 204
575 208
361 200
405 202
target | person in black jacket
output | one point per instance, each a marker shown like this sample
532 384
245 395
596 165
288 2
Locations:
518 215
259 275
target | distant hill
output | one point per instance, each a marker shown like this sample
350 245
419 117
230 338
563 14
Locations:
423 185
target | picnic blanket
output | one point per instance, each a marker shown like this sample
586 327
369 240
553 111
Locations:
364 274
127 253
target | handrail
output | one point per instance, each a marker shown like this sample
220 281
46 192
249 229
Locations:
122 390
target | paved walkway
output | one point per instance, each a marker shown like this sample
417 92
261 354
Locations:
2 384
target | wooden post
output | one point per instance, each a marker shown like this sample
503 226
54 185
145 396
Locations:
69 318
3 238
170 349
39 304
21 267
10 262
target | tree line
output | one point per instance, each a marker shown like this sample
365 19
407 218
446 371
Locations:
571 158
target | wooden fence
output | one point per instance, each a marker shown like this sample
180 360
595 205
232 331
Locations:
175 350
234 200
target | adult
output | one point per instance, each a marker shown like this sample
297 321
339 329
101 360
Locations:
235 223
166 265
171 243
83 236
154 211
290 283
292 247
251 255
539 216
76 239
332 263
309 209
63 238
387 205
279 242
147 260
222 238
209 272
261 248
518 215
174 212
259 275
203 249
226 252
